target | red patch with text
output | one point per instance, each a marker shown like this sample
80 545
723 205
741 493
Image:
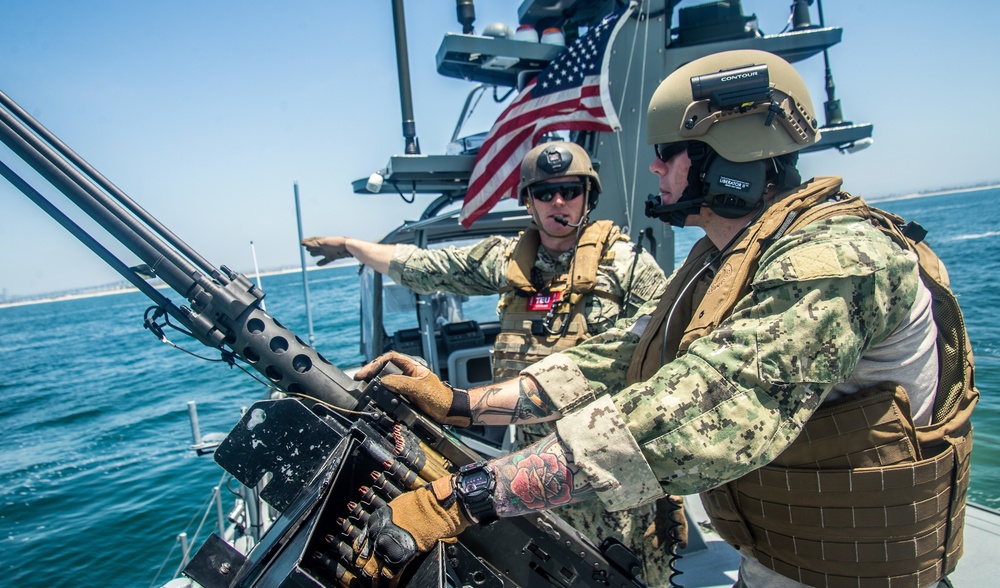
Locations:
543 300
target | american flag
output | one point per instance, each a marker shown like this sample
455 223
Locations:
570 94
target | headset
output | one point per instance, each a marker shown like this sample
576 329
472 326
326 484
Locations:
731 189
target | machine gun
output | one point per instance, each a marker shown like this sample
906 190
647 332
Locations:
333 449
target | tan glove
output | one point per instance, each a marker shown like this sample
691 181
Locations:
442 403
669 514
409 525
329 248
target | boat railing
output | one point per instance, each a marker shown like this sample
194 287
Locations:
184 540
242 527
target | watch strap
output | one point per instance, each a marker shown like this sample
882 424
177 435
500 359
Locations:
460 406
479 507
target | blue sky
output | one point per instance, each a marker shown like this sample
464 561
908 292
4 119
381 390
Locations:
206 112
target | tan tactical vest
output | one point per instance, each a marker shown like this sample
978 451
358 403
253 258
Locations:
861 497
527 336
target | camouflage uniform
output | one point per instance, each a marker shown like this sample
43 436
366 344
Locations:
481 269
742 393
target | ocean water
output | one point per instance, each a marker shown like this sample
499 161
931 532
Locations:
96 474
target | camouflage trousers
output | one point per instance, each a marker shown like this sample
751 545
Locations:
592 520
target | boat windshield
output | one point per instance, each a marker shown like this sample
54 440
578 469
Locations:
397 325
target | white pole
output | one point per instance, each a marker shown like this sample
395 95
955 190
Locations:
195 429
218 510
185 549
302 258
256 272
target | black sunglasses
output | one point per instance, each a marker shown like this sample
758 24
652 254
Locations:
667 151
546 192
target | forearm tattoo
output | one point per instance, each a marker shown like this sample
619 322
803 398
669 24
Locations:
539 477
511 402
532 404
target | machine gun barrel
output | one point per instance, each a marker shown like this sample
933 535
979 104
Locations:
86 239
225 310
73 181
73 157
224 305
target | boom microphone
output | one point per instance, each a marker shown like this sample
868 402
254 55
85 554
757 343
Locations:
655 209
566 223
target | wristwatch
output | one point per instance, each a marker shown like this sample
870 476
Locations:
474 485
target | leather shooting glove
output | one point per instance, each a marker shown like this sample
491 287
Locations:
442 403
329 248
669 523
409 525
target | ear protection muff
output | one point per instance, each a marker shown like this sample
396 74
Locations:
731 189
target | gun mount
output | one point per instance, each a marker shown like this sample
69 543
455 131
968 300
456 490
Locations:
324 471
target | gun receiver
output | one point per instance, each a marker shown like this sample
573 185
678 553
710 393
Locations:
327 471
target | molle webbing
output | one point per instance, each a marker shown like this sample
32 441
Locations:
519 345
854 497
516 347
589 251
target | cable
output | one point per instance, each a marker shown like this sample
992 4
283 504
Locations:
335 408
413 196
673 535
207 510
708 263
631 277
227 357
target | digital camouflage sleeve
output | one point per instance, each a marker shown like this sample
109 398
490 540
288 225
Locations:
822 296
481 269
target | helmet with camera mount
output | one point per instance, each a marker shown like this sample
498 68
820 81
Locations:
558 159
742 116
746 105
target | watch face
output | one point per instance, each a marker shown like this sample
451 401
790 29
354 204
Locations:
474 482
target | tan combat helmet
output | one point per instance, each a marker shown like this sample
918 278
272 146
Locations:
747 105
557 159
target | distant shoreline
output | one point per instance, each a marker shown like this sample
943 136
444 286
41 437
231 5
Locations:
62 297
44 298
110 291
935 193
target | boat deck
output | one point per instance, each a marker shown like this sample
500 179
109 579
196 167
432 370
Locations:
716 565
980 564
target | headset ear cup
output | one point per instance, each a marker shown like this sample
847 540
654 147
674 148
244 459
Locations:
734 189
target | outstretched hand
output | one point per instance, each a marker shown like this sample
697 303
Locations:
444 404
409 525
329 248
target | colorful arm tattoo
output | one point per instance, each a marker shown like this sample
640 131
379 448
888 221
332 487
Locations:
539 477
511 402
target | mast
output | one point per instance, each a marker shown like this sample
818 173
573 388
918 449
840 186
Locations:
800 20
412 144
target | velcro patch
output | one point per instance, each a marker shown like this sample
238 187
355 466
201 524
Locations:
816 261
